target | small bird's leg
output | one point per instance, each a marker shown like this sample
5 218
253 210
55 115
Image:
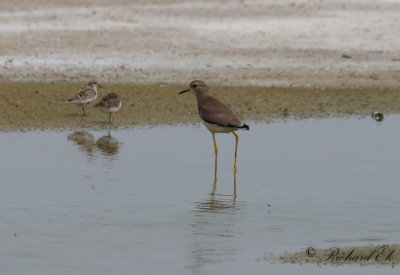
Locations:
109 118
83 108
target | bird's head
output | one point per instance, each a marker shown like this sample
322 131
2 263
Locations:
197 87
94 83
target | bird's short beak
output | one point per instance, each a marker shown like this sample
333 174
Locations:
100 86
184 91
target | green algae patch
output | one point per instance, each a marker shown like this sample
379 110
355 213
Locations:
30 106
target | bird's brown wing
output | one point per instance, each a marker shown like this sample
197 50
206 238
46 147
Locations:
214 111
110 100
86 92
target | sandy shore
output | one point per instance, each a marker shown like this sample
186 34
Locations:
27 106
266 59
304 43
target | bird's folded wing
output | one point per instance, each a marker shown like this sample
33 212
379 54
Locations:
109 101
215 112
84 93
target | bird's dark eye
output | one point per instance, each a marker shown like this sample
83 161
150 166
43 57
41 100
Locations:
194 86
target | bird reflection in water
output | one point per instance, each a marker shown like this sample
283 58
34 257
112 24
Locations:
108 145
213 204
215 180
214 229
84 140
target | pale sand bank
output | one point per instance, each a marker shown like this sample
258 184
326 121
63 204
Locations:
305 43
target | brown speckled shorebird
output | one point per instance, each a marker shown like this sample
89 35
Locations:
216 116
86 94
109 103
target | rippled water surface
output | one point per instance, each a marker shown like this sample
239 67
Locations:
141 201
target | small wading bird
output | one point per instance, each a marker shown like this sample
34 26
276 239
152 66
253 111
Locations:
109 103
86 94
216 116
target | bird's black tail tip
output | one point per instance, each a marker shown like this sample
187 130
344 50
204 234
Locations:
245 127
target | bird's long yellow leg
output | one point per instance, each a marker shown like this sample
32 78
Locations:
215 185
216 151
215 167
235 166
234 187
237 141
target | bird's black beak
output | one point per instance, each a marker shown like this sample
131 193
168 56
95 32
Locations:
99 86
184 91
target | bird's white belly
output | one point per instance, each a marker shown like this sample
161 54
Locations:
213 128
84 100
111 109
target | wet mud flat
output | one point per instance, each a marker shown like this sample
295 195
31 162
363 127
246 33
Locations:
28 106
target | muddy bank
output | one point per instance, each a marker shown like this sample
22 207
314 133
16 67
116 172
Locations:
27 106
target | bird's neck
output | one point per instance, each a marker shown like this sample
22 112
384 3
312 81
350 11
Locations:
201 97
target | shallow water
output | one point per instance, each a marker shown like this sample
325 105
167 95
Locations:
141 200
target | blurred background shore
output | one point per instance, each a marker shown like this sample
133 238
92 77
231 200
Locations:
303 43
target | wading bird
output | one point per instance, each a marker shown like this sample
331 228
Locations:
216 116
86 94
